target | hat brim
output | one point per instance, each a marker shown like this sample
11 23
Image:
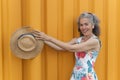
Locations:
24 54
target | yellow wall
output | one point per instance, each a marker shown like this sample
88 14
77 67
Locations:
58 19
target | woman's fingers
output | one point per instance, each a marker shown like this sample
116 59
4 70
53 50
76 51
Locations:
36 32
39 35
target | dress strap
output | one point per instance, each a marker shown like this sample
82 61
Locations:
78 40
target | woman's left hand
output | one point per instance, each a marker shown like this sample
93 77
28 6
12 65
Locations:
40 35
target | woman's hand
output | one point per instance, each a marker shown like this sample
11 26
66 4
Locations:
41 36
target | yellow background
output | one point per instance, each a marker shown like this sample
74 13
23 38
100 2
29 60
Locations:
58 19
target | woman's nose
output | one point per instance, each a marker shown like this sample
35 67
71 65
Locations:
83 27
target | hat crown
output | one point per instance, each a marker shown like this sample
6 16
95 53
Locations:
27 43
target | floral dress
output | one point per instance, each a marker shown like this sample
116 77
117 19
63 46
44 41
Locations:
84 66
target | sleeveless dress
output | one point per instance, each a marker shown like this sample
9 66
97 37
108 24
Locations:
84 66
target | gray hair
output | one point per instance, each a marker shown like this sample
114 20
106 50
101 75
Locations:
93 20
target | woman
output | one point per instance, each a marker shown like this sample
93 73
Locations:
86 47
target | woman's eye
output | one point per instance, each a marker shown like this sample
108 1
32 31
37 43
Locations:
86 24
81 24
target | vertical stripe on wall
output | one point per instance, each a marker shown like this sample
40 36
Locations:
101 10
112 41
11 19
51 29
57 18
118 37
1 57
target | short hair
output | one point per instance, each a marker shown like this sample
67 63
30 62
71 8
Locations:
93 19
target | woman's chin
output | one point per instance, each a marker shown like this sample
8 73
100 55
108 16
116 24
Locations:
85 34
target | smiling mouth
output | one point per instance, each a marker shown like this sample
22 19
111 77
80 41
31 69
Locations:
84 31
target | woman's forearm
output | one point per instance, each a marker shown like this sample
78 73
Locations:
63 45
54 46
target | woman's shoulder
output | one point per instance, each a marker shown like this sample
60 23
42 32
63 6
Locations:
98 39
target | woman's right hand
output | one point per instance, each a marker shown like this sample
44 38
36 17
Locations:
41 36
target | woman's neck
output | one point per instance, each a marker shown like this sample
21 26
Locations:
85 38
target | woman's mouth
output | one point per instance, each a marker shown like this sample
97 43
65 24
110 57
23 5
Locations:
84 31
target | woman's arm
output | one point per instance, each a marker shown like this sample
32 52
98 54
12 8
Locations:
84 46
37 35
56 47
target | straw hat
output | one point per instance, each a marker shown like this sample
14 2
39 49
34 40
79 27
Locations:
24 45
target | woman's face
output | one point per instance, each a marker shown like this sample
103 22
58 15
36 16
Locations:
86 27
